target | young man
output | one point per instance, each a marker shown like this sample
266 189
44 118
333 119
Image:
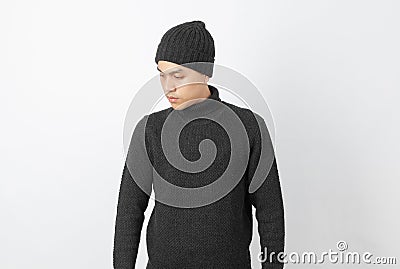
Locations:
184 231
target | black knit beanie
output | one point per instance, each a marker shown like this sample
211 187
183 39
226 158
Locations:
186 43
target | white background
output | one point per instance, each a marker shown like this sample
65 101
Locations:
329 71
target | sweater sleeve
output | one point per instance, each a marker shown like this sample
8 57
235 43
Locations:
134 193
267 200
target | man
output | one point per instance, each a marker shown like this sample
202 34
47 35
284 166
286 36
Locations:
210 228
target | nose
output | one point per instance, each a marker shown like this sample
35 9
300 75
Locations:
169 85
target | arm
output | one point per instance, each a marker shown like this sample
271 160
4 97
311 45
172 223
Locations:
132 201
267 200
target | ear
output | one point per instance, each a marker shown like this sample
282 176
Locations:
206 78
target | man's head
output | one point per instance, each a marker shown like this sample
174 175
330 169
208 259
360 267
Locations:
185 59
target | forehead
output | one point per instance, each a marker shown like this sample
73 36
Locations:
169 67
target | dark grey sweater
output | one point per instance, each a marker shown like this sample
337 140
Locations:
216 235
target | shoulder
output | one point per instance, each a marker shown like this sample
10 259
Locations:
160 113
248 117
252 121
155 119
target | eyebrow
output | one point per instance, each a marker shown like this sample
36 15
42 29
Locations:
172 72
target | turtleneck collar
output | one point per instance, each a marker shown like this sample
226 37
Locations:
201 108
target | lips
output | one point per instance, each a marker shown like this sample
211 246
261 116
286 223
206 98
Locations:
172 99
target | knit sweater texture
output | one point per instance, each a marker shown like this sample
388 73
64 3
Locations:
216 235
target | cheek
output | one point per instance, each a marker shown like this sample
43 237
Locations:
182 92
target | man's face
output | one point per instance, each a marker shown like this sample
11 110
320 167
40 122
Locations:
183 83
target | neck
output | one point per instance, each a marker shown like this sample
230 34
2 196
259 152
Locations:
205 94
202 108
205 90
